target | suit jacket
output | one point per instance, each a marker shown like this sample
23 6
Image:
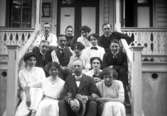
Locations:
42 60
105 41
87 87
63 55
119 63
119 60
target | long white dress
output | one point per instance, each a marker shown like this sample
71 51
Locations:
51 90
112 108
28 77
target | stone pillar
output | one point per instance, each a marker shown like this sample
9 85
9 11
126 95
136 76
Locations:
136 81
37 22
117 15
11 98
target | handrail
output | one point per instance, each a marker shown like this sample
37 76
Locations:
2 29
133 29
129 55
27 45
127 50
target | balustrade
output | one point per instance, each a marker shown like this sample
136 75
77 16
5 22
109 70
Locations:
13 37
154 40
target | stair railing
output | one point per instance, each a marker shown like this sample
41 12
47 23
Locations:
134 53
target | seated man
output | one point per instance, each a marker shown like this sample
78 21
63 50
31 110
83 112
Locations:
112 94
109 35
43 54
62 53
80 91
46 34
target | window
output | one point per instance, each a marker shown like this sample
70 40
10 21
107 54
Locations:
138 13
19 13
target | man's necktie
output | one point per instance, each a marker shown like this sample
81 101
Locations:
46 36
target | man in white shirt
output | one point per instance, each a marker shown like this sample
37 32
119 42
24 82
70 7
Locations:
46 34
93 51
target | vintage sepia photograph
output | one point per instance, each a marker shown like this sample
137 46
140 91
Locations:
83 58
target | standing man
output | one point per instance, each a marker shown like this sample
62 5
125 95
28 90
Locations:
46 34
108 36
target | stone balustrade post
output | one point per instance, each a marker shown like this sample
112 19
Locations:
136 81
12 78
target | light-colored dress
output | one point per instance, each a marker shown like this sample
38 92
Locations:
116 90
84 41
49 104
28 77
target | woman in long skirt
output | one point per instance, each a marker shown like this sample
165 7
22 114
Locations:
52 88
31 97
112 94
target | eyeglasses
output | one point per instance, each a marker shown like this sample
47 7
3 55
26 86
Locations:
107 28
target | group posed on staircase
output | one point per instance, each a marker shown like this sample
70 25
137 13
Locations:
66 75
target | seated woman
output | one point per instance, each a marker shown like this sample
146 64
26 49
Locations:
85 30
95 69
112 94
31 97
52 89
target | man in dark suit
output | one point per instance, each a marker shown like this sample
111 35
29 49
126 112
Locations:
62 53
43 54
80 93
108 36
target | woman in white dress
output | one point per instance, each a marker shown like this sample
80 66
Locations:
31 97
112 94
52 88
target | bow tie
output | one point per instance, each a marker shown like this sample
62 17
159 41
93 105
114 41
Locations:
77 78
94 48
